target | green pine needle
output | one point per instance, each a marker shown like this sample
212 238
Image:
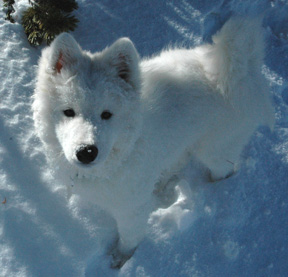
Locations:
44 20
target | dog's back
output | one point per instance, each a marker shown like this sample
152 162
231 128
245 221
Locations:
214 96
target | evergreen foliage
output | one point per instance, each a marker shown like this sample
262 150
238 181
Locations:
46 19
8 8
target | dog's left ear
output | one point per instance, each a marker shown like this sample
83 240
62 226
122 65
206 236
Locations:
123 59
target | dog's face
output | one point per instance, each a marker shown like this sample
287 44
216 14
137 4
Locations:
87 106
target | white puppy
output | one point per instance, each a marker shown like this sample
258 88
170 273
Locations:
117 125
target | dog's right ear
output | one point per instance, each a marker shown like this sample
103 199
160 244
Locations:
64 53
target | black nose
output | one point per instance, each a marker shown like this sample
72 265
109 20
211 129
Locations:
87 154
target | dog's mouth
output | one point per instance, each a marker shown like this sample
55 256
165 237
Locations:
83 172
80 176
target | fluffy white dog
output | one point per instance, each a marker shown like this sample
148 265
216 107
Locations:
117 125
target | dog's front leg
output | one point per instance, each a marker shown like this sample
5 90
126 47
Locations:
132 229
119 258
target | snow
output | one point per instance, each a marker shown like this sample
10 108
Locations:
235 227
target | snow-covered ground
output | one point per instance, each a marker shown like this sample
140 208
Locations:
236 227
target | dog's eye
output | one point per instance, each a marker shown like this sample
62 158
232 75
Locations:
106 115
69 113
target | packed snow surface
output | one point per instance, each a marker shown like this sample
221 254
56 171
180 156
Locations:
234 227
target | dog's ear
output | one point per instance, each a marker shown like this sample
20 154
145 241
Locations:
123 59
64 53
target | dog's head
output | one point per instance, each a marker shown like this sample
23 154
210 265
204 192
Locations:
86 106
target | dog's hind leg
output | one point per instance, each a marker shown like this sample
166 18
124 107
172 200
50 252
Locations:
220 170
222 161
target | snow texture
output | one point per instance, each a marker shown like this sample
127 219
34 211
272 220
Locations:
235 227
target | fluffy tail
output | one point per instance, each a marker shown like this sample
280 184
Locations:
238 50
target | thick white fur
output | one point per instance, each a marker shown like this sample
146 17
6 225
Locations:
204 102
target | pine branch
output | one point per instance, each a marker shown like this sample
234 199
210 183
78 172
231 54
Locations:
8 7
64 5
44 21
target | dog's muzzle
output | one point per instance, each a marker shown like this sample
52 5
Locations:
87 154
